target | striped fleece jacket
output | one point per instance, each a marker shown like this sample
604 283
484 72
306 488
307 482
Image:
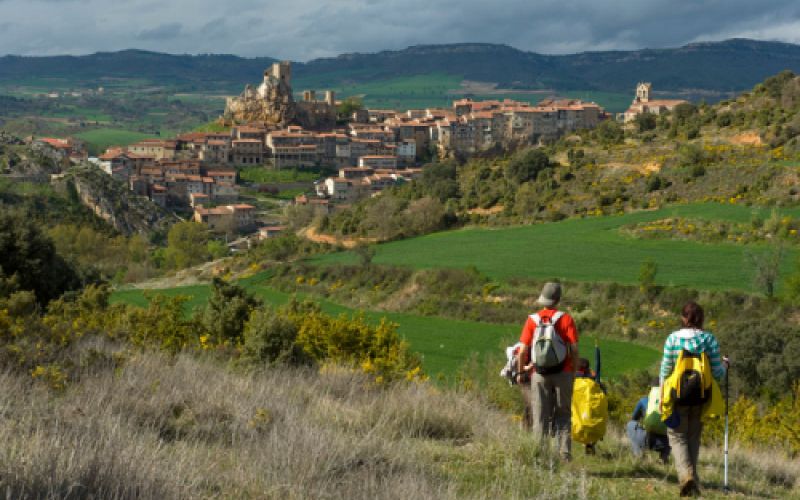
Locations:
694 341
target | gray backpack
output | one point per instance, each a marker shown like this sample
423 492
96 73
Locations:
549 349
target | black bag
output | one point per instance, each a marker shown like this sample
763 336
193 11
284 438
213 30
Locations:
694 387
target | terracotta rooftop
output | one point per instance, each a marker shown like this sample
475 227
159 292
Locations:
283 133
191 136
251 130
212 211
55 142
149 142
111 154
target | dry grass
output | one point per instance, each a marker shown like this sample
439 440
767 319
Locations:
188 428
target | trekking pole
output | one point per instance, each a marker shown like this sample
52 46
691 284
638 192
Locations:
725 480
596 359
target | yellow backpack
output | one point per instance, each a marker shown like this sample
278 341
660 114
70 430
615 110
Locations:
691 384
690 381
589 411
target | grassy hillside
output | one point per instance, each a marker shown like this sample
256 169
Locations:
445 344
588 249
160 427
132 67
101 138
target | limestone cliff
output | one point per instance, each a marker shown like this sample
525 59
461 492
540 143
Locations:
113 202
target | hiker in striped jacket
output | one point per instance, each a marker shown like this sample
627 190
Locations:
693 340
684 434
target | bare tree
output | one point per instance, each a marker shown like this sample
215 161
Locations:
766 266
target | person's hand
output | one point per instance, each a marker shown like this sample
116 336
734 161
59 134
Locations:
726 361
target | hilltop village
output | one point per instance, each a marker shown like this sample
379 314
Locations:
372 149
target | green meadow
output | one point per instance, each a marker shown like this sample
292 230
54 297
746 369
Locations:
444 344
437 90
265 175
102 138
401 93
589 249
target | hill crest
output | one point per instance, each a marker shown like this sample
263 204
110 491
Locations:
722 67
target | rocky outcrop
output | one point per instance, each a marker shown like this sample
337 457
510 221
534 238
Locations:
24 163
113 202
271 103
7 139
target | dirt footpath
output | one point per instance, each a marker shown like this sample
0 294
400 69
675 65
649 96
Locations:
312 235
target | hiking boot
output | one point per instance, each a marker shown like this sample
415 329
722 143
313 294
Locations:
689 488
590 449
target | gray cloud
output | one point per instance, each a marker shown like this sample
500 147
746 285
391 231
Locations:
166 31
304 29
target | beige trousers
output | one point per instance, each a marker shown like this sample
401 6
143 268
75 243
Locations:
551 410
685 442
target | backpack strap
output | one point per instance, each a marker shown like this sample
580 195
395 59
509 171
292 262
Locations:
537 319
553 320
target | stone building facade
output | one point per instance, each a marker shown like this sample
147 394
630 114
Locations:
642 103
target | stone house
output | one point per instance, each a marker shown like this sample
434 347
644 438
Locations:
378 161
247 151
215 151
227 218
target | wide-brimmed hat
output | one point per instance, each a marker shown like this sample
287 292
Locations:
551 294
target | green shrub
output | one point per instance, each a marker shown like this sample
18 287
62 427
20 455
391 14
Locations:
271 337
526 165
377 350
163 325
29 261
645 122
227 311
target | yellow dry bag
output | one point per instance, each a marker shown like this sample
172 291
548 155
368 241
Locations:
589 411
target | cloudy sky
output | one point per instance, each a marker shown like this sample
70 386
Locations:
305 29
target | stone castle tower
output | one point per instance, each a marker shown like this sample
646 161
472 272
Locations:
280 71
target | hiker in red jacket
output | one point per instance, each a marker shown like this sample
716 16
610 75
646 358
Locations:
551 337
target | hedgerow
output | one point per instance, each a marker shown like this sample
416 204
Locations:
56 346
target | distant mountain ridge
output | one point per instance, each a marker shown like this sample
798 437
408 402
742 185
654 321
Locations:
717 67
204 71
